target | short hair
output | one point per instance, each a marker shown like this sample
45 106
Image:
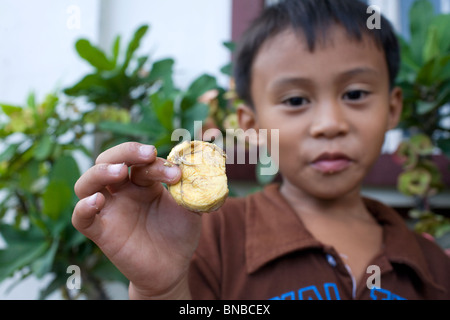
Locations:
311 18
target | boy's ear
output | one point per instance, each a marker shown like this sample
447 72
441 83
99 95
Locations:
246 117
247 120
395 107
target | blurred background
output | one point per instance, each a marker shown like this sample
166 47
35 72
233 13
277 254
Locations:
38 38
38 53
77 76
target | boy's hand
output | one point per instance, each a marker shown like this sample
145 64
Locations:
135 221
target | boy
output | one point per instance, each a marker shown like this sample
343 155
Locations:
314 71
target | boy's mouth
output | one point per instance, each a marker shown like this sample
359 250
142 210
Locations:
330 163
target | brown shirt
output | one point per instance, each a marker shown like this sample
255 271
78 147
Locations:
258 248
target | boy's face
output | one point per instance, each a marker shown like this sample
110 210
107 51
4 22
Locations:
332 108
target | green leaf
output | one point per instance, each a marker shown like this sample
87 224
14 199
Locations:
154 128
435 71
164 144
65 169
421 144
227 69
140 64
230 45
87 85
425 76
58 282
164 110
127 129
431 48
109 87
10 109
442 229
10 151
200 85
443 71
49 105
134 44
43 148
31 101
29 174
423 107
74 239
420 17
93 55
198 112
415 182
116 50
443 96
13 236
43 265
162 70
56 199
442 25
23 247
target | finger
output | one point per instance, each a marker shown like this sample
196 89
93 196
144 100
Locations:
98 177
158 171
129 153
85 215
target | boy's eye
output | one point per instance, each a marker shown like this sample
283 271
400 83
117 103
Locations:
355 95
295 101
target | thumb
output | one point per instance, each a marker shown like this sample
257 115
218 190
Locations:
85 215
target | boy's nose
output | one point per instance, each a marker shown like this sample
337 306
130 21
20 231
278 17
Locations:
329 121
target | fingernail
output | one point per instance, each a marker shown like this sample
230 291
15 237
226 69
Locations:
92 200
171 172
114 169
145 151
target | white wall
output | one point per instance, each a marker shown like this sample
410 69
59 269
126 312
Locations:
37 38
37 46
445 6
36 54
37 51
190 31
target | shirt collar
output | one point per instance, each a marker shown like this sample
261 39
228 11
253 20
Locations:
273 229
401 245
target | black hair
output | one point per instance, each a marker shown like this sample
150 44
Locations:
312 19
